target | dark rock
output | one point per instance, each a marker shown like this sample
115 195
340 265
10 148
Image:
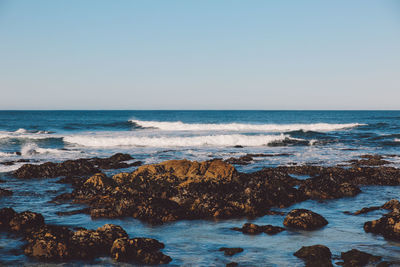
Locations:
79 167
244 160
6 215
73 212
141 250
370 160
230 251
49 243
232 264
327 188
358 258
304 219
253 229
26 221
388 226
5 192
317 255
389 205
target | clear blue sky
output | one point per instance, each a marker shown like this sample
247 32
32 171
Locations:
204 54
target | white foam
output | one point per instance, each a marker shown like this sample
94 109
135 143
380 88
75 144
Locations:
180 126
397 140
176 141
31 149
25 134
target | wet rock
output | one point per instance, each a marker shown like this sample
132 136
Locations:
244 160
253 229
304 219
73 212
392 204
317 255
26 221
5 192
328 188
6 215
79 167
232 264
388 226
230 251
74 181
141 250
49 243
370 160
182 189
358 258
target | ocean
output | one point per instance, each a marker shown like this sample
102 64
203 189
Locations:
313 137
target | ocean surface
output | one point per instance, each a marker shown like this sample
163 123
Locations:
312 137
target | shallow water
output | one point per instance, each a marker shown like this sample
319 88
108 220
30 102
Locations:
196 243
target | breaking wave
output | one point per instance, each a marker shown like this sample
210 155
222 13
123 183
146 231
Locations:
181 126
174 141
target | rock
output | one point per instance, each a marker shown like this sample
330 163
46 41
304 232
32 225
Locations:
304 219
230 251
182 189
26 221
393 204
388 226
232 264
326 188
79 167
6 215
49 243
253 229
141 250
244 160
5 192
358 258
317 255
370 160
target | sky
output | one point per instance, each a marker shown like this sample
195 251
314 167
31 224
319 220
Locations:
204 54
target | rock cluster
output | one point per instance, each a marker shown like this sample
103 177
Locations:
254 229
182 189
79 167
304 219
59 243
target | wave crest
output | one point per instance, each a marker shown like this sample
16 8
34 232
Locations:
181 126
192 141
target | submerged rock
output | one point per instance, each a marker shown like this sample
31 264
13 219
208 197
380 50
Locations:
78 167
317 255
230 251
356 258
253 229
5 192
304 219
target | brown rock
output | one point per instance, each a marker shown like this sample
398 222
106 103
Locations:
356 258
317 255
141 250
304 219
230 251
253 229
26 221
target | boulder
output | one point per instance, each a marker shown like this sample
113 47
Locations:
141 250
6 215
388 226
304 219
317 255
26 221
356 258
5 192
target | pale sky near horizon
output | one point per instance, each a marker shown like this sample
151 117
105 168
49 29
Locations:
205 54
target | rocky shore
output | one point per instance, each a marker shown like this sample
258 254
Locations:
186 190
